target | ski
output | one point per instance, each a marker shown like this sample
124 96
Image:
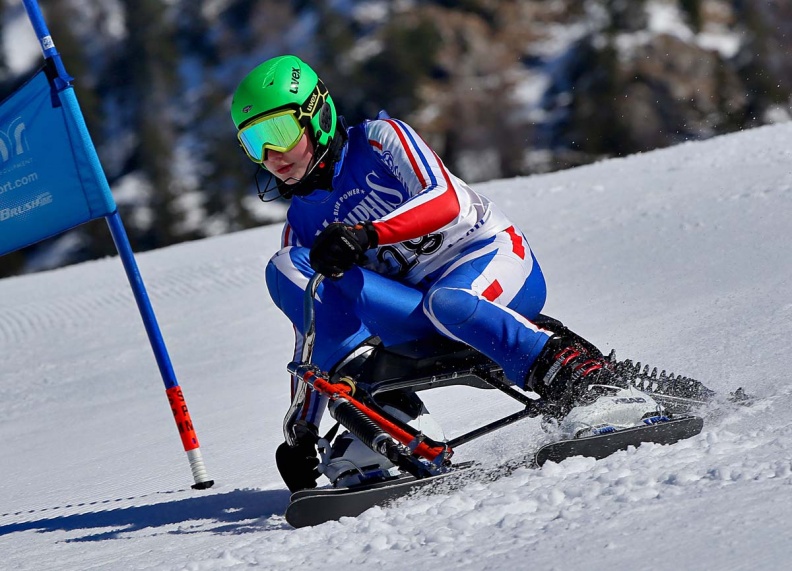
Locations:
602 445
313 507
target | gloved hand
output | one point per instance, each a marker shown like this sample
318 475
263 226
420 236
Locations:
339 247
297 464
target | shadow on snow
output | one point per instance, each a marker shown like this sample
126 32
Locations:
229 512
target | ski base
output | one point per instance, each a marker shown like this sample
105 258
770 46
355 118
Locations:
313 507
603 445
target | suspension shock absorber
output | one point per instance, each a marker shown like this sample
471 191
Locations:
403 446
375 438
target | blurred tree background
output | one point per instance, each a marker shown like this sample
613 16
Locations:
500 88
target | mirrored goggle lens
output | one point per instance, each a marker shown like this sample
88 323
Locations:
278 133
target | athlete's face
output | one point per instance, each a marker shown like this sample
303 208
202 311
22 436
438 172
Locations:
292 165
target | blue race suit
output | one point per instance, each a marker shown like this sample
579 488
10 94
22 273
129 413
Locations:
448 260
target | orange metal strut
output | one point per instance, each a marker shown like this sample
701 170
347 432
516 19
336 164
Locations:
336 391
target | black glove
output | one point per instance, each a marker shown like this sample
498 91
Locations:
297 464
339 247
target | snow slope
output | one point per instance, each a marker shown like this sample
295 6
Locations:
680 258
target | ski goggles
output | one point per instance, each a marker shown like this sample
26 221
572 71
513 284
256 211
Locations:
278 132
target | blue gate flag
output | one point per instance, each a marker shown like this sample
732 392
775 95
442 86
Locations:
49 179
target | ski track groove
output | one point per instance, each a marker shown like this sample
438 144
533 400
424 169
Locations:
208 278
22 322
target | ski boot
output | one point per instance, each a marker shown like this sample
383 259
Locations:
565 371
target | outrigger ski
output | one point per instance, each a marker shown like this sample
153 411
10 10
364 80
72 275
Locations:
602 445
312 507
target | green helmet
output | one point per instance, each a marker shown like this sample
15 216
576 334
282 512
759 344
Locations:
286 82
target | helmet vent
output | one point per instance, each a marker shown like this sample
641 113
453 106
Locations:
325 118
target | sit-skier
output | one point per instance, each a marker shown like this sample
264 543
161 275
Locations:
410 250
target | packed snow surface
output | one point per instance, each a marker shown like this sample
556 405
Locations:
680 258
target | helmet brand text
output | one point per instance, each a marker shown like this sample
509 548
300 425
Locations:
310 107
295 80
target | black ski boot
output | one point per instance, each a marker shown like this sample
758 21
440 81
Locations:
564 370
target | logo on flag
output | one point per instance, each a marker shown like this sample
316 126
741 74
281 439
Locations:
47 183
